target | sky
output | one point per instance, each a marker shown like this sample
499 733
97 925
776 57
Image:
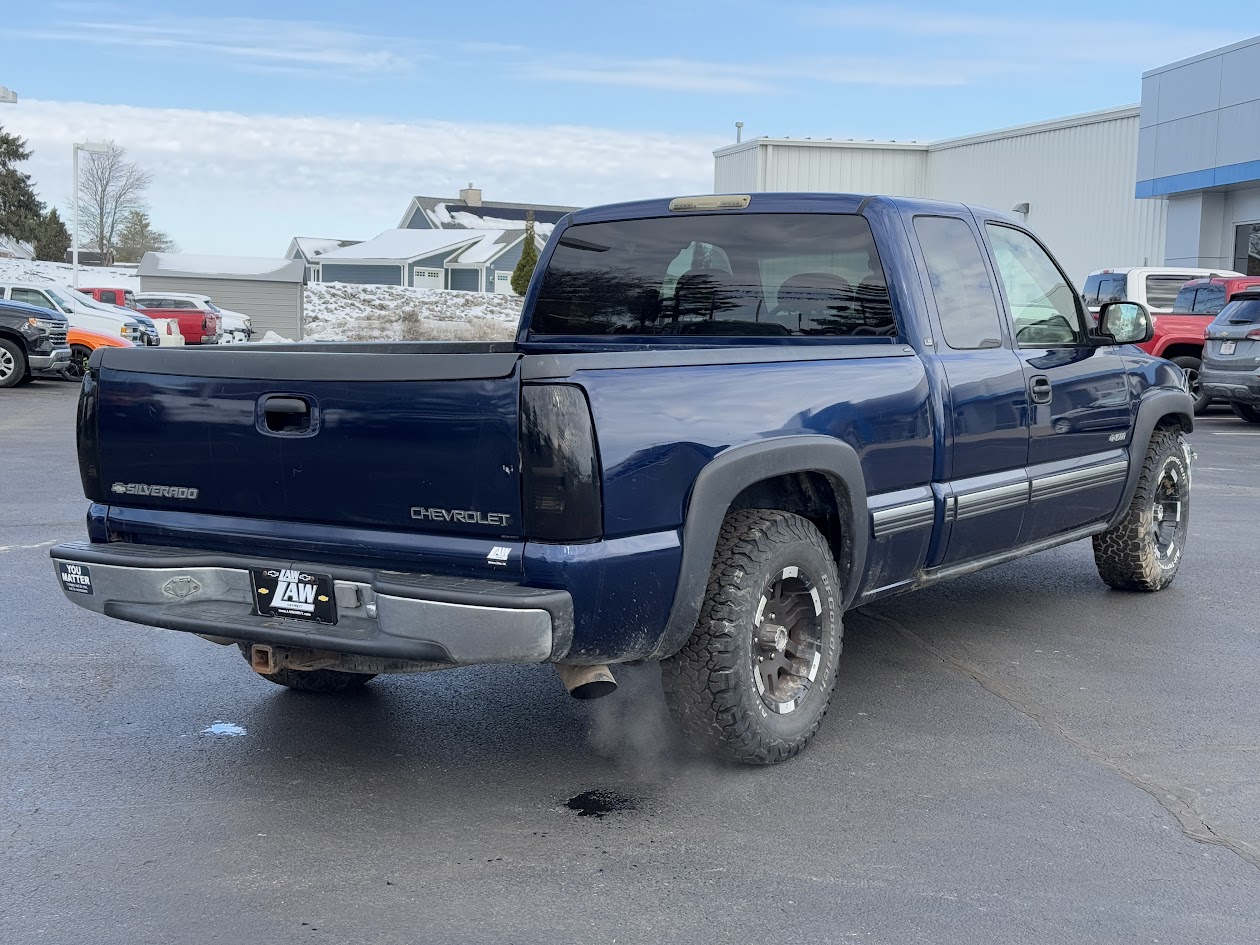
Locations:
259 124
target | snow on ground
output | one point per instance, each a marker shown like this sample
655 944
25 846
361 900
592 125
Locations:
90 277
341 312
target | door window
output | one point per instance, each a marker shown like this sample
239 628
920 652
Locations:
960 283
1043 303
1209 300
32 297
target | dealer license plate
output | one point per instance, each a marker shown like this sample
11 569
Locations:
295 594
1227 347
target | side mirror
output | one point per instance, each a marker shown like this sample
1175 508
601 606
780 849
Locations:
1125 323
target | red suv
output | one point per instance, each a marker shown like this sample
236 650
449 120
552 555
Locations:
1179 335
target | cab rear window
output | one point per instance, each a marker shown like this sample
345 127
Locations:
735 275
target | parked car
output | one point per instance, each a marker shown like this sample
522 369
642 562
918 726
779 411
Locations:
111 296
1156 287
32 341
199 326
165 330
236 327
1179 334
149 332
782 407
83 343
1231 356
81 312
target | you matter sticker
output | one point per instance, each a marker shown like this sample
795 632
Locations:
75 578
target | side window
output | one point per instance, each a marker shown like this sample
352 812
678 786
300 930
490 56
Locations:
31 297
1042 301
1209 300
184 303
960 283
1161 291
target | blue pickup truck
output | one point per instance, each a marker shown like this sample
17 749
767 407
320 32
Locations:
725 420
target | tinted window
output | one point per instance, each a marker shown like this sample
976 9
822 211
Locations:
1239 312
1247 249
1042 301
32 297
1185 299
1208 300
1161 291
109 297
746 275
960 283
1106 287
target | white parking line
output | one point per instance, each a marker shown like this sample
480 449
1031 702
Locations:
42 544
1234 432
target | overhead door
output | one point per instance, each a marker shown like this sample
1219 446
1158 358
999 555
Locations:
424 278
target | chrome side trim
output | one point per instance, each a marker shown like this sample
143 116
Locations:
903 518
996 499
1090 477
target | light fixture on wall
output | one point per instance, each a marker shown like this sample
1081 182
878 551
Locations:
1021 209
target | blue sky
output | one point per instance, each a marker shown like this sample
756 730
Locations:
259 125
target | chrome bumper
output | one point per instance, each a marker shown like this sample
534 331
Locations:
50 362
387 614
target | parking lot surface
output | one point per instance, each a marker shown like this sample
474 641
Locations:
1017 756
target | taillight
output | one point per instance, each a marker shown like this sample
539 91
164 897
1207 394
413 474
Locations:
205 323
559 465
1253 335
85 429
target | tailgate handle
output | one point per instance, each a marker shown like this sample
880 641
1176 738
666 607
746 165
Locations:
286 415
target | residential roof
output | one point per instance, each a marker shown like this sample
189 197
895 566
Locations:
312 246
262 269
405 244
489 246
442 211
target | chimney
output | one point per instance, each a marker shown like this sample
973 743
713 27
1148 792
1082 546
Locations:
471 195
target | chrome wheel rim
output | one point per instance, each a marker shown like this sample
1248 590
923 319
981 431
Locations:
8 364
787 640
1168 511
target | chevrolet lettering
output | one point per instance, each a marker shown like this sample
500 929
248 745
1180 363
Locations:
723 422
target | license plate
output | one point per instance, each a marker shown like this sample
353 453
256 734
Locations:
295 594
1227 347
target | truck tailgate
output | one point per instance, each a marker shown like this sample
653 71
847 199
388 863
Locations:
386 437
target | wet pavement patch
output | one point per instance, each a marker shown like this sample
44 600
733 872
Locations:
599 803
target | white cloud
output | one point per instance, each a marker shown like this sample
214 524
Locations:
226 182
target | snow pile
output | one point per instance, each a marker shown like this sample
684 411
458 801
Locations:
29 270
341 312
272 338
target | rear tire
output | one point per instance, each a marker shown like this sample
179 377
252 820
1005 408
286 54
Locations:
1245 412
1191 366
12 363
754 681
312 680
1143 551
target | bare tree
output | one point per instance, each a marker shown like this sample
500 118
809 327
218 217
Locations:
111 188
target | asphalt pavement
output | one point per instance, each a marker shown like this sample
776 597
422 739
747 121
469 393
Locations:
1017 756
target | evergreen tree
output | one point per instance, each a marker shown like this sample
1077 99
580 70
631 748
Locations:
524 270
138 237
53 239
21 212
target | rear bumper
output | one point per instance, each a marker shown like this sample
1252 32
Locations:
1240 386
379 613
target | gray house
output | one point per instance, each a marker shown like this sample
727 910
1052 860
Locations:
306 248
269 291
469 211
462 259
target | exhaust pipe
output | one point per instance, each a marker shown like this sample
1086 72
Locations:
586 682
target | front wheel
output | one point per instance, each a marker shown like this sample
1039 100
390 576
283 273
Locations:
1143 551
1191 367
1246 412
77 367
12 363
753 682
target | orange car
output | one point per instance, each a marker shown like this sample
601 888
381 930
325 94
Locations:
83 343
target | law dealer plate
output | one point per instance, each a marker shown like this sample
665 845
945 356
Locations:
297 595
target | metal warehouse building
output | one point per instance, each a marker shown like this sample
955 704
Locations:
1173 181
269 291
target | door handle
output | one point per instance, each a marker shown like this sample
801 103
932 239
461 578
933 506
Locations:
1040 388
285 415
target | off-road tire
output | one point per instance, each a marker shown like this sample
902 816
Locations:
711 684
1192 366
1245 412
1128 555
12 363
312 680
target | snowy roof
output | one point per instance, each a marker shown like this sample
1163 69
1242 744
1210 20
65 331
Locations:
312 246
15 248
406 244
453 213
222 267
